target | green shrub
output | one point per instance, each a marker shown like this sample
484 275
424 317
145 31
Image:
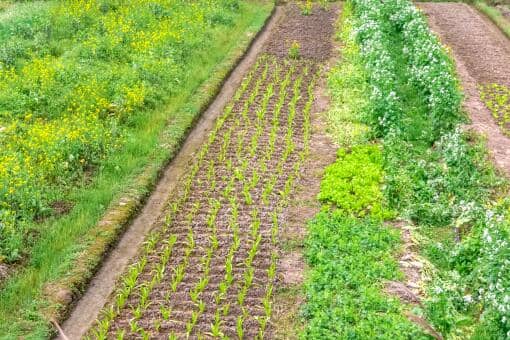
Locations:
353 183
349 261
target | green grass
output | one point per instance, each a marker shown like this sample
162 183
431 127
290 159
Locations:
151 142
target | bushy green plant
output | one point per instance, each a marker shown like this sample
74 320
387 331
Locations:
294 50
349 260
353 183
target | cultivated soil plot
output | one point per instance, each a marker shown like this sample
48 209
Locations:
482 55
209 269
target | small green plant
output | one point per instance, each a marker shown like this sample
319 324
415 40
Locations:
294 50
307 7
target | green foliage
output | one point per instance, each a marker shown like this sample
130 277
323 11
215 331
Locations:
396 42
437 175
348 88
77 81
349 260
353 183
497 99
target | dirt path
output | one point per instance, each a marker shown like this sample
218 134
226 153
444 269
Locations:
482 55
209 266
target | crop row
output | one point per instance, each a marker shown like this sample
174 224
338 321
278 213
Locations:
234 192
130 280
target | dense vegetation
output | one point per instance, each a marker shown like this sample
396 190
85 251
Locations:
435 176
75 79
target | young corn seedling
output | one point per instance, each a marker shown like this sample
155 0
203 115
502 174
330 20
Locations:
137 312
120 334
240 327
165 312
145 335
247 196
133 326
216 325
103 326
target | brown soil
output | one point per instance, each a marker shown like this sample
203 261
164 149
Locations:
482 55
475 40
223 188
313 33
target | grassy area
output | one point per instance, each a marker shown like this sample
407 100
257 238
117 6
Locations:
76 81
435 176
148 137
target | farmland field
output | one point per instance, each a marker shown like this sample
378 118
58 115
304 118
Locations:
167 173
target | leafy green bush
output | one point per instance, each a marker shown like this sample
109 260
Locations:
353 183
349 260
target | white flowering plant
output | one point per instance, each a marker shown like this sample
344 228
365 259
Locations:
436 175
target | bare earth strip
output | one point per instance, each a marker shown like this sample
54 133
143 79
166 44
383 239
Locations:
482 55
208 268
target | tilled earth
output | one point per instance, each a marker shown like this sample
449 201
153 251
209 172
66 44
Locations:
209 268
481 46
482 56
313 33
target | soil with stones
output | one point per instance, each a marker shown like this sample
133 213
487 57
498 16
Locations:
209 268
482 55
